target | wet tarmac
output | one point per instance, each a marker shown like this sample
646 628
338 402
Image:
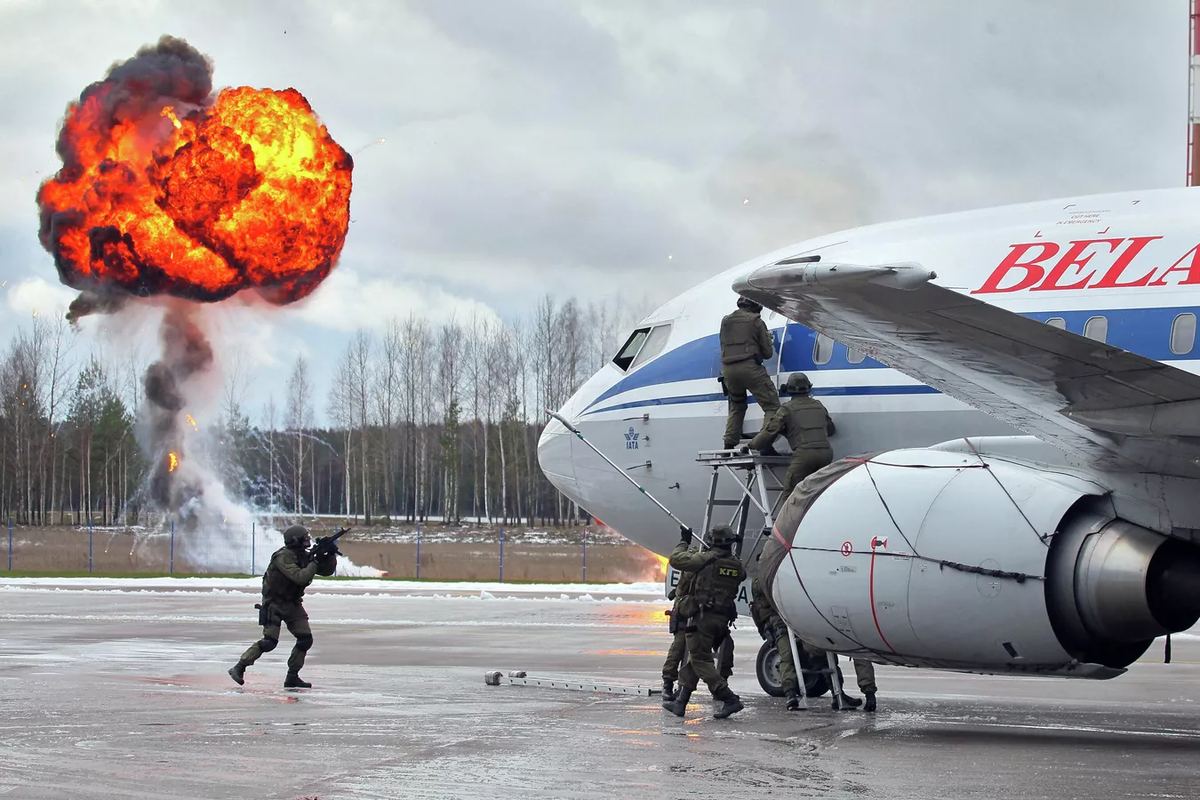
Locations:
118 690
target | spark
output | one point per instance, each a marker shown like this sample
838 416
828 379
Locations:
167 112
174 459
3 284
746 202
670 258
35 313
191 421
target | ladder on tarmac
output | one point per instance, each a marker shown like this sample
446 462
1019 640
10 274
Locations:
761 488
759 485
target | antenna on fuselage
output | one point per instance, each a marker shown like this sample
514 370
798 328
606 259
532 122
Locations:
624 474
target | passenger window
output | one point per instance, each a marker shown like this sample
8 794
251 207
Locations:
1183 334
655 342
855 357
823 349
1057 322
627 353
1096 328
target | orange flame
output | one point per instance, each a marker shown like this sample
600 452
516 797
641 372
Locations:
662 567
174 462
191 421
250 192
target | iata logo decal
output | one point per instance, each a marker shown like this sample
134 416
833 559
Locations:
1089 264
631 439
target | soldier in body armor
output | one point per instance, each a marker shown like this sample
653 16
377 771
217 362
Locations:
745 345
289 572
772 628
806 424
705 614
677 652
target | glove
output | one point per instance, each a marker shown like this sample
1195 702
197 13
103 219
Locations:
685 534
744 449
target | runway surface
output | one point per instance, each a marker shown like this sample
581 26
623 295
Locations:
117 689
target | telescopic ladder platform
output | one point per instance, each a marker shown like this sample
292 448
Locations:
761 488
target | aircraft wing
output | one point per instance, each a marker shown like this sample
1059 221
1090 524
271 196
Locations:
1111 408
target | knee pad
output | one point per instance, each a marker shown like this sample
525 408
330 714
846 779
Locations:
304 642
267 644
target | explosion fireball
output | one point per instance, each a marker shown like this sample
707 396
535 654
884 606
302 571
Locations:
166 189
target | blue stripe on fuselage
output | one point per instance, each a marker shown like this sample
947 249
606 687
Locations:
1145 331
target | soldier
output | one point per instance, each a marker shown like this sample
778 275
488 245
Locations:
678 648
705 614
772 628
807 425
677 652
864 673
283 601
745 345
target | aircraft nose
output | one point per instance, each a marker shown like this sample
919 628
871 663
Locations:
554 456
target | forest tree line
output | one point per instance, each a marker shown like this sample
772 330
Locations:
424 419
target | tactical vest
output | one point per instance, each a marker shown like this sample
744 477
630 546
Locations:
276 585
738 337
762 611
807 424
716 586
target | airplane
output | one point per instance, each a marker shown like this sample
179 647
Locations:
1016 484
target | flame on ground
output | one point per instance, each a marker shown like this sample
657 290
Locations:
165 189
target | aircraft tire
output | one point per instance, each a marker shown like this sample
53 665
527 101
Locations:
766 667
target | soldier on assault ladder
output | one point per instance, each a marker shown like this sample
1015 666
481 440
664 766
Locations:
807 425
289 572
705 614
745 345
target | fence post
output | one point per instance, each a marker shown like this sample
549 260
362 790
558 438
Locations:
253 541
502 554
585 530
418 551
89 544
10 544
172 547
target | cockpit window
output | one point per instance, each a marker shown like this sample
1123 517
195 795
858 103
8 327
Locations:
625 356
643 344
655 342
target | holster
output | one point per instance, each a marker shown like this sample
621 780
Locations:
721 380
672 622
264 613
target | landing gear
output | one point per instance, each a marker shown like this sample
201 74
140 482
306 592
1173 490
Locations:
766 665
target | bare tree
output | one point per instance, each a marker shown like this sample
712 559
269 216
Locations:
299 417
359 384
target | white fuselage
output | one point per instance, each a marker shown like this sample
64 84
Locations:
1123 268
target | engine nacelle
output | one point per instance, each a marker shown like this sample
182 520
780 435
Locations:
946 559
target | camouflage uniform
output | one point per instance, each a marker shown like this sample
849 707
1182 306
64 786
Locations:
283 602
772 628
678 648
807 425
745 345
709 609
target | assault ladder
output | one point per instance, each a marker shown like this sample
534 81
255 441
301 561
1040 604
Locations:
762 488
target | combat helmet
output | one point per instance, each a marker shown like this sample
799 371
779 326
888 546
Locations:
294 536
798 383
748 304
721 536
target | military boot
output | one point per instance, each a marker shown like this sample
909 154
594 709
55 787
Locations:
730 704
793 700
668 692
292 681
870 705
847 703
238 673
678 706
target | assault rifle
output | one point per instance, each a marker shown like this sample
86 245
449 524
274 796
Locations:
327 546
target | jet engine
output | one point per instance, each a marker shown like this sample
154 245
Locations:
961 561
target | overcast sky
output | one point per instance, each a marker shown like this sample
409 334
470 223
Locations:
589 146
